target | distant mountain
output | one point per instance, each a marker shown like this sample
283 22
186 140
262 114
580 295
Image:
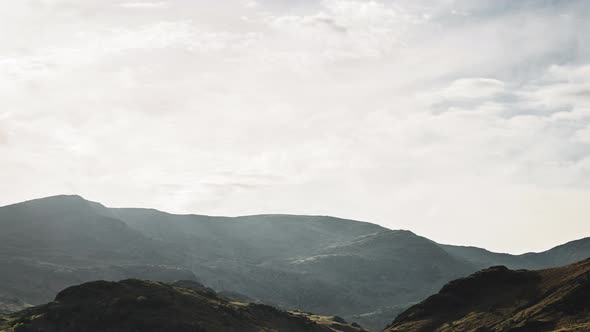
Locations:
135 305
49 244
71 231
250 239
332 266
570 252
499 299
375 268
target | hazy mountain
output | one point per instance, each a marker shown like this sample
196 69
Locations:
361 271
49 244
570 252
499 299
249 239
72 231
375 268
134 305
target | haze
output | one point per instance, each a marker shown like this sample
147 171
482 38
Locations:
467 122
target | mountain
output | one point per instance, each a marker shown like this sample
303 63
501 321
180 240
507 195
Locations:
570 252
315 263
71 231
331 266
374 268
250 239
135 305
499 299
49 244
28 281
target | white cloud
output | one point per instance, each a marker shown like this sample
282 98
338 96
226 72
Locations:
251 4
474 88
144 5
460 120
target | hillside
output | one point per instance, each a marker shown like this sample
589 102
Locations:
499 299
331 266
396 264
567 253
135 305
71 231
52 243
250 239
314 263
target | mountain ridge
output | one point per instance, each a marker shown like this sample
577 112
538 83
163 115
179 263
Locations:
320 264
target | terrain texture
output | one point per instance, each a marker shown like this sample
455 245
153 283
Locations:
357 270
135 305
499 299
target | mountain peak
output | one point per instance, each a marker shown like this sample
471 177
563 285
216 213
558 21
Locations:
61 197
55 199
64 203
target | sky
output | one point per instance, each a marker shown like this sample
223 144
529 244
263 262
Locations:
467 122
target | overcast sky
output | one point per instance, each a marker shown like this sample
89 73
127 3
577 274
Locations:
467 122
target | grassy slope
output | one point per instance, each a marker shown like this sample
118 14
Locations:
498 299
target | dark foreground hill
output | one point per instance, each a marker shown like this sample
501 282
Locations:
331 266
135 305
498 299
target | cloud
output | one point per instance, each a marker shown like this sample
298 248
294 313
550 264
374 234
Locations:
144 5
432 116
474 88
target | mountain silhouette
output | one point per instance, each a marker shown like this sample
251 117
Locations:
330 266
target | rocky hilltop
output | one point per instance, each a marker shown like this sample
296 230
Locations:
136 305
498 299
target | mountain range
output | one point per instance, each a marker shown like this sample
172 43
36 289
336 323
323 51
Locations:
495 299
331 266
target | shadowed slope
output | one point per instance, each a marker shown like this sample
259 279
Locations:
499 299
52 243
396 264
331 266
69 230
135 305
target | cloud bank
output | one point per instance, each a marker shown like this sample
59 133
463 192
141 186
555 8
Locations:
465 121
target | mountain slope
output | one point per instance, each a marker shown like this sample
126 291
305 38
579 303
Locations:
252 239
499 299
135 305
361 271
52 243
567 253
71 231
375 268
